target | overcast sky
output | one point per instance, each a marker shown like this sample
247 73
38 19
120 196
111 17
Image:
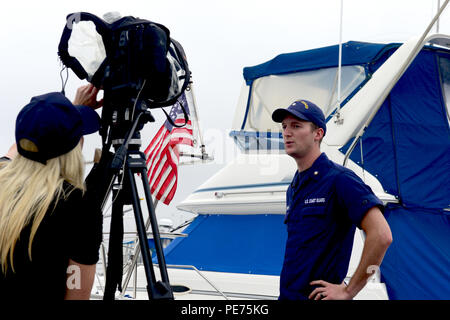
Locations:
219 37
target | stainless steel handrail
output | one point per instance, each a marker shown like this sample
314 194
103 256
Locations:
198 272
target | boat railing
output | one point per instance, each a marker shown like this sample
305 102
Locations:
133 262
220 194
176 266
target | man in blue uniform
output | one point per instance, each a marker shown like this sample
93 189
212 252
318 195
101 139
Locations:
325 202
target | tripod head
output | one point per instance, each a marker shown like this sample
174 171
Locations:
132 138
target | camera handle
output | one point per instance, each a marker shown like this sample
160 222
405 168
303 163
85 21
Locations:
132 162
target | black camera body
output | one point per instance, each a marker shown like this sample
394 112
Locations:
137 51
137 72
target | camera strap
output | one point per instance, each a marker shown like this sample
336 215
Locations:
186 117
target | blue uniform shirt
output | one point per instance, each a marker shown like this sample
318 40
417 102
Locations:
324 204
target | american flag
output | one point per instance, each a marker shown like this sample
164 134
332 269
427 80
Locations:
163 155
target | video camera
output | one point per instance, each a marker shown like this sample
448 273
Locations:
135 62
139 67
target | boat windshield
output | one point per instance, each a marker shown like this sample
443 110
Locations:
319 86
260 132
258 141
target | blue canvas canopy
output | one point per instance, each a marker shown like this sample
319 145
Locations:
353 53
407 146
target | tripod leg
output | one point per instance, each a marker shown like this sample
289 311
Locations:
137 250
154 290
155 229
115 254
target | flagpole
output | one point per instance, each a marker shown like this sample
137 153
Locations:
204 155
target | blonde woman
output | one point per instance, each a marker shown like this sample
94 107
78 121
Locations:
49 233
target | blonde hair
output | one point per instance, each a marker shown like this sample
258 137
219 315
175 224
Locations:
28 189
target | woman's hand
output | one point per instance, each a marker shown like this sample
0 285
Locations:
87 96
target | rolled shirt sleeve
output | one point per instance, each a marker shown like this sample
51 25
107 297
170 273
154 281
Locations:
355 196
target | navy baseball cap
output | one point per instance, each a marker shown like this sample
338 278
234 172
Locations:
50 126
304 110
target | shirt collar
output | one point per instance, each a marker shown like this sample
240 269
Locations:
314 172
317 168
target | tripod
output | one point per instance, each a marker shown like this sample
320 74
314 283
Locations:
127 162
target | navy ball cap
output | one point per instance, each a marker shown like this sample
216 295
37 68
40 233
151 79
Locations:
50 126
303 110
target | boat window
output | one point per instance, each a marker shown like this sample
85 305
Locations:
444 70
318 86
258 141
